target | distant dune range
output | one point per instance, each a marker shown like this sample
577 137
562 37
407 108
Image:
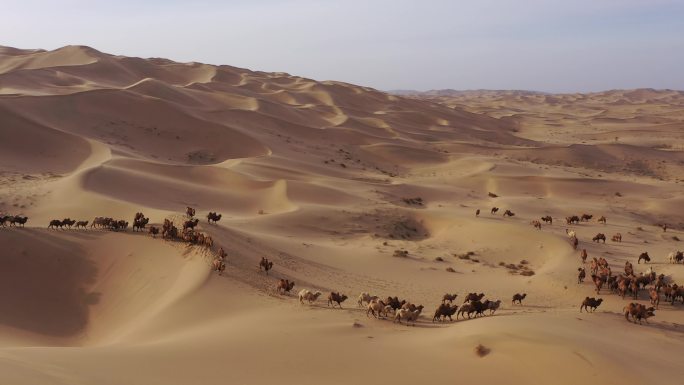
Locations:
330 181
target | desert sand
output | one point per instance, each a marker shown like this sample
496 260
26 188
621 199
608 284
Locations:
314 175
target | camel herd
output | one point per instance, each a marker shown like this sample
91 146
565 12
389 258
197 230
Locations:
622 284
13 220
630 283
403 310
474 305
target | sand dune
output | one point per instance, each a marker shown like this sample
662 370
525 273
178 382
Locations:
30 147
344 188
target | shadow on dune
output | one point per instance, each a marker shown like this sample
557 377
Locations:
653 323
43 283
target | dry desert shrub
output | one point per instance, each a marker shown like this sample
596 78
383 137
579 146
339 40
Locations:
401 253
481 350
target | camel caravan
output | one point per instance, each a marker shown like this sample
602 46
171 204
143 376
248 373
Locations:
402 310
474 305
168 231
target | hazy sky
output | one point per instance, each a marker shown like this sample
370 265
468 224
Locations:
557 46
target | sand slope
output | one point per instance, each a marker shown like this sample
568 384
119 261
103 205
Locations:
317 177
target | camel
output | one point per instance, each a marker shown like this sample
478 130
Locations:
449 297
265 264
493 306
335 297
444 311
410 315
395 303
638 312
602 262
212 216
519 298
537 225
599 237
305 294
617 238
55 223
284 286
645 257
170 231
602 220
634 287
140 223
590 302
572 219
594 265
508 213
629 269
676 292
660 282
468 308
99 222
622 286
68 222
574 242
471 297
365 298
190 224
605 273
581 275
668 290
597 282
81 224
584 255
208 242
655 297
220 266
154 231
646 278
477 212
676 257
18 220
190 211
118 225
547 219
376 307
189 236
494 210
586 217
